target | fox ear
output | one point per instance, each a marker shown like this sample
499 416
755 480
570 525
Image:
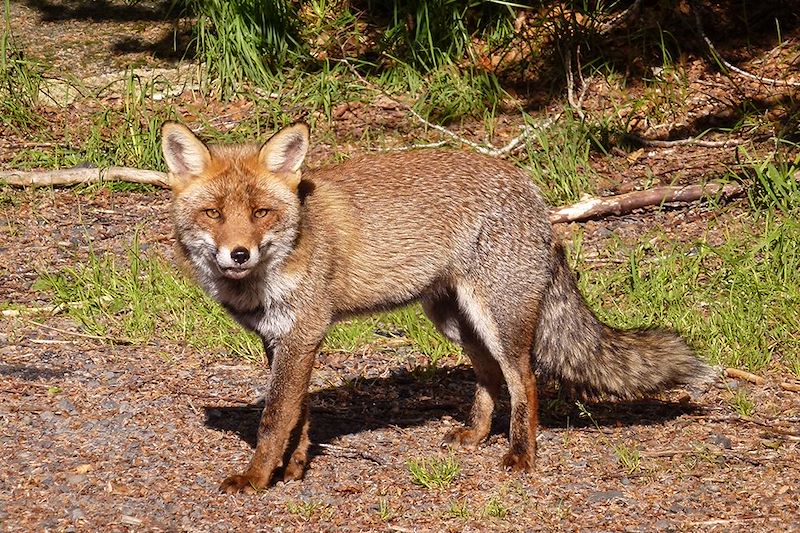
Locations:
285 151
183 152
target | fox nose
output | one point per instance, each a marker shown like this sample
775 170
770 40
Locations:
240 255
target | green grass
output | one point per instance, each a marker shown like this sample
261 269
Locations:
142 301
434 472
459 509
407 325
736 303
243 41
495 508
558 160
742 403
20 80
628 457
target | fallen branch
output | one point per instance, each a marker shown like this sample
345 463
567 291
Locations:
744 375
350 453
691 141
83 175
487 149
51 309
792 387
593 207
728 65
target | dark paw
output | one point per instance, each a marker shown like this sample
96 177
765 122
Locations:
241 484
518 462
464 437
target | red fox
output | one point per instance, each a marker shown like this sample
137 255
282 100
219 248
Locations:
288 254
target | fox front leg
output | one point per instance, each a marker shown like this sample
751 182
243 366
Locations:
284 413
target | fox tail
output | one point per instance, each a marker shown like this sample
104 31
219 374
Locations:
592 359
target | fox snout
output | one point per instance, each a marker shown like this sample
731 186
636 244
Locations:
238 261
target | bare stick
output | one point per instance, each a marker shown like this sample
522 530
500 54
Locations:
691 141
620 19
487 149
51 309
342 451
113 340
793 387
743 374
625 203
728 65
81 175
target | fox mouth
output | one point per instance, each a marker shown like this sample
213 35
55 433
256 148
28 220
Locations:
234 272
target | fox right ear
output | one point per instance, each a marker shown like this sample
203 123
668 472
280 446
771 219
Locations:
183 151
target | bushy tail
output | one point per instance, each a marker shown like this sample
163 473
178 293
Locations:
592 359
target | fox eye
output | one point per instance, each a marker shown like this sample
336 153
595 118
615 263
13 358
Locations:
260 213
212 213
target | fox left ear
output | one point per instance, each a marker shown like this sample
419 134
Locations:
184 153
285 152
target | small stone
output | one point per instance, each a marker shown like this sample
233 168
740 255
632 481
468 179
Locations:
605 495
75 479
721 440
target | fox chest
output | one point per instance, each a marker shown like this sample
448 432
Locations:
269 315
270 322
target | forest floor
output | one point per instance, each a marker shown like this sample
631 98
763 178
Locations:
104 436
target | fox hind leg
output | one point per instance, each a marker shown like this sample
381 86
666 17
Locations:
444 312
510 352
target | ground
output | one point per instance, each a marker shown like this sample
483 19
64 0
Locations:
103 436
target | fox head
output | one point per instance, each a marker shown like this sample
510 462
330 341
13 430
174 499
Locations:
236 207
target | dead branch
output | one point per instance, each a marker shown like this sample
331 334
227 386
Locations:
487 149
51 309
83 175
727 64
744 375
593 207
620 19
350 453
792 387
691 141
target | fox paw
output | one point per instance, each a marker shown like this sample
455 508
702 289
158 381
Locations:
464 437
518 462
295 469
240 484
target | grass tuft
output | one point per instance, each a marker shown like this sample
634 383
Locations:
434 472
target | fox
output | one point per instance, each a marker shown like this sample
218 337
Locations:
288 252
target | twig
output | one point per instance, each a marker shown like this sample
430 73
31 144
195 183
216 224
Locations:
487 149
692 141
793 387
341 451
625 203
728 65
620 19
114 340
51 309
80 175
743 374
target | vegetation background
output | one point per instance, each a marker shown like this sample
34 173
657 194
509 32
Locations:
590 98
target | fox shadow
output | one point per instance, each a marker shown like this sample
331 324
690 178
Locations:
408 399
